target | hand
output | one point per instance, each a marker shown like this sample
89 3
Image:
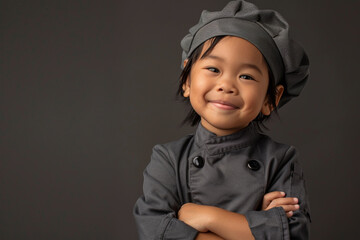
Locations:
278 199
197 216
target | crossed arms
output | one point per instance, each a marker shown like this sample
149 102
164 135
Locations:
214 223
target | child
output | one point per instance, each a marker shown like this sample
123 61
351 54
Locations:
229 181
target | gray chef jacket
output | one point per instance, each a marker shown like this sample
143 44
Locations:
232 172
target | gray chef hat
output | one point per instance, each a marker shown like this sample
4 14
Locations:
265 29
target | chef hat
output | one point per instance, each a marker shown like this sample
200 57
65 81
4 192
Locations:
267 30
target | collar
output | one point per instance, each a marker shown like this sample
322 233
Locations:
222 144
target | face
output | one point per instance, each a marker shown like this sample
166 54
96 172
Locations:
227 88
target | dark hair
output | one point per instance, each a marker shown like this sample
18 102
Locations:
192 117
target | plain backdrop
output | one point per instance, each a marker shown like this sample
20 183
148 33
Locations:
87 88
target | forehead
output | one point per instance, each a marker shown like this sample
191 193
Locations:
234 49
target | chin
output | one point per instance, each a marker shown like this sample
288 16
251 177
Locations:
226 126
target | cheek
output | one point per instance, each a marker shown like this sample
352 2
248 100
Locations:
254 98
199 87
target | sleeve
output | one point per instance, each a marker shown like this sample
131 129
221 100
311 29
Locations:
156 210
274 224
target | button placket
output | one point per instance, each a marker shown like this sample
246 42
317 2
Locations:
196 163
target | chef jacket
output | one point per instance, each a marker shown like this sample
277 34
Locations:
232 172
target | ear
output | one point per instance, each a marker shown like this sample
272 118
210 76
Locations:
186 61
267 108
186 85
186 88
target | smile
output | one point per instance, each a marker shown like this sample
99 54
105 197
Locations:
223 105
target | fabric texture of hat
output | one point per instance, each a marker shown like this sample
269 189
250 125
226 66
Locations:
265 29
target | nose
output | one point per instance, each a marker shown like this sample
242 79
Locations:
226 85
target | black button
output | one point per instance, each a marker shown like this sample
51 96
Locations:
198 162
253 165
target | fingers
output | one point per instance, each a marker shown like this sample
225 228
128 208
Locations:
289 205
278 199
288 208
269 197
283 201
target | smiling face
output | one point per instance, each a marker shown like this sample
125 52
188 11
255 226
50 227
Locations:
228 87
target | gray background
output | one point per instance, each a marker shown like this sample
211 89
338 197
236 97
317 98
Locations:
87 88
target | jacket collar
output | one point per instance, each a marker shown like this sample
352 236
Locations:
217 145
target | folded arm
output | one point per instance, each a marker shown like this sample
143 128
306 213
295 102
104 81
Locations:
229 225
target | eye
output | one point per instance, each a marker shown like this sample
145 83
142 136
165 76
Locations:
247 77
212 69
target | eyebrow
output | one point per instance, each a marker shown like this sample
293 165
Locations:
213 57
253 66
245 65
